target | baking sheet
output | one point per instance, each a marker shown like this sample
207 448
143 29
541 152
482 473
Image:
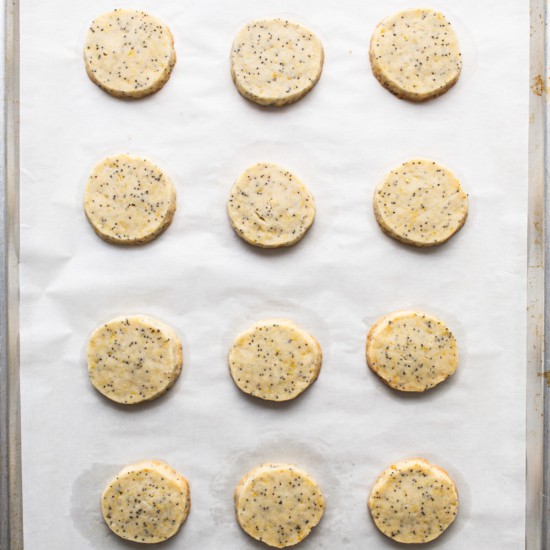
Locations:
537 534
204 281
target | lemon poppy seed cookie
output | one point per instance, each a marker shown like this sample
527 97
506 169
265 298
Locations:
275 360
415 54
275 61
147 502
270 207
278 504
134 359
411 351
129 200
413 501
420 203
129 53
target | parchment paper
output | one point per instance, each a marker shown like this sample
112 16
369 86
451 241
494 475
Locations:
209 285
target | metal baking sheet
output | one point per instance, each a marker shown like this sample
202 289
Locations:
538 365
88 445
11 521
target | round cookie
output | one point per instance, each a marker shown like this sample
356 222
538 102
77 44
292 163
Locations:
415 54
413 501
270 207
134 359
278 504
420 203
275 360
129 53
147 502
129 200
411 351
275 62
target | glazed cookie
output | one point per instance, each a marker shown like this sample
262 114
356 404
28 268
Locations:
134 359
278 504
270 207
275 62
415 54
147 502
275 360
129 200
413 501
411 351
129 53
420 203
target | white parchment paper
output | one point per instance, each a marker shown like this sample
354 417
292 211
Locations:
209 285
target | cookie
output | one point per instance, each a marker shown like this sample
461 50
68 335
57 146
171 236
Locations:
275 61
129 53
413 501
270 207
278 504
411 351
275 360
129 200
420 203
133 359
147 502
415 54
